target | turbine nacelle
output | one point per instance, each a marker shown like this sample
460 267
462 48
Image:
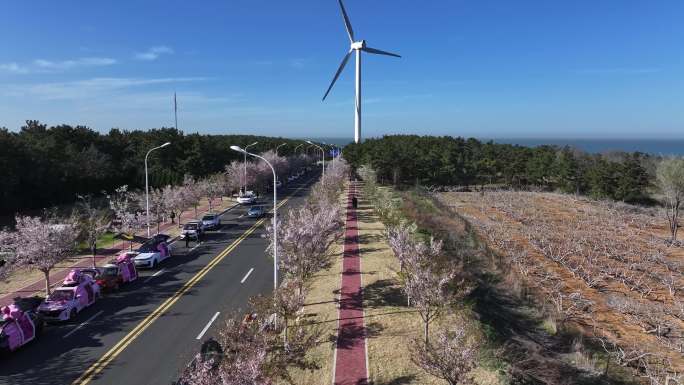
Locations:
358 45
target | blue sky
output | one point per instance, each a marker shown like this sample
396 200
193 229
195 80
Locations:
554 69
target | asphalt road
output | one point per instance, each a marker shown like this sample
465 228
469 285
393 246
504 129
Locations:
147 332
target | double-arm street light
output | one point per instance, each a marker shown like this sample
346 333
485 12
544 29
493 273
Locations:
295 150
245 163
284 144
275 216
147 186
322 153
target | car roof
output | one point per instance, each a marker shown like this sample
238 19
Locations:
195 221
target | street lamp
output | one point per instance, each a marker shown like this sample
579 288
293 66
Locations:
275 216
322 153
284 144
295 150
147 186
332 147
245 163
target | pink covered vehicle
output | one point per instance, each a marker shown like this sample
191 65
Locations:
77 292
17 328
116 272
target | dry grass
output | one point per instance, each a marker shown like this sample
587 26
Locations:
25 277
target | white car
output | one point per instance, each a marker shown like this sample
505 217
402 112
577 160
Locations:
211 222
152 253
246 199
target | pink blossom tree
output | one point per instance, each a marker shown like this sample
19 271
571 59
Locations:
127 216
173 195
212 188
426 277
41 244
304 238
451 357
192 193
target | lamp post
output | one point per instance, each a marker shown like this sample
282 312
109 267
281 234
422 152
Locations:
295 150
275 216
284 144
147 186
245 163
322 153
332 147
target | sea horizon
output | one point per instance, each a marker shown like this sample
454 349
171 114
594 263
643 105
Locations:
661 147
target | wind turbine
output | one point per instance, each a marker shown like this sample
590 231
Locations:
356 46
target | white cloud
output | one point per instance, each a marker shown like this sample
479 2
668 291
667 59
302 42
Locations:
153 53
85 89
13 68
619 71
68 64
42 65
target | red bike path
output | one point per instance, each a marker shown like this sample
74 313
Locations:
350 353
82 261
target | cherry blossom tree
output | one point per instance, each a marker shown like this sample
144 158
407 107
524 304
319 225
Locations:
41 244
234 173
173 195
304 238
451 357
212 188
127 217
158 205
192 193
93 223
426 278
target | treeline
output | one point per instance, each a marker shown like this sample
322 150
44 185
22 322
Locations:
45 166
455 161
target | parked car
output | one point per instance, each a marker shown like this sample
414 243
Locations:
18 327
77 292
153 252
117 271
192 230
247 198
255 211
211 222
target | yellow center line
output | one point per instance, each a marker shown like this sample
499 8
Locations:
112 353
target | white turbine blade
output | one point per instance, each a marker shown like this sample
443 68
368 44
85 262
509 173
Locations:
339 71
379 52
347 23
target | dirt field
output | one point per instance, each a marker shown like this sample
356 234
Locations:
603 268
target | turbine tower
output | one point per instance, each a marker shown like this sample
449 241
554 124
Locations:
356 46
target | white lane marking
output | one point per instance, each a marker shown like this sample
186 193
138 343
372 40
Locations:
211 321
158 273
196 246
241 216
247 275
83 324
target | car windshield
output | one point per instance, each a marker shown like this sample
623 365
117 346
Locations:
147 247
190 226
111 271
61 295
255 209
208 218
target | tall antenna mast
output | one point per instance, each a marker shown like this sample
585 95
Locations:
175 111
